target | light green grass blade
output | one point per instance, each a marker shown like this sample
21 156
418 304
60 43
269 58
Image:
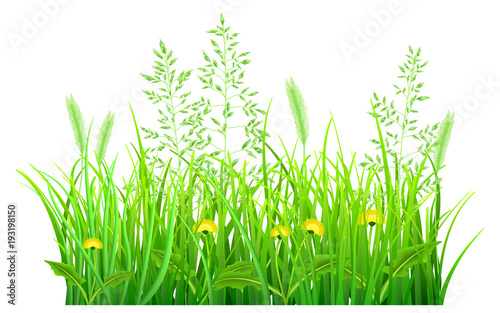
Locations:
208 275
166 252
450 274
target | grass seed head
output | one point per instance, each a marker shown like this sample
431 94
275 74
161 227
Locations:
104 136
299 110
77 123
443 139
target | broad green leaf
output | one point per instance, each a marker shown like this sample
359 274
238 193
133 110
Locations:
408 257
112 280
69 272
322 267
116 278
238 280
237 275
174 264
66 271
240 266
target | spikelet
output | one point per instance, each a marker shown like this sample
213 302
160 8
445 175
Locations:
299 110
77 123
443 139
104 136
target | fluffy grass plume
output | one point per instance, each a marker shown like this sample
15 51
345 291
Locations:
77 122
104 136
299 110
443 139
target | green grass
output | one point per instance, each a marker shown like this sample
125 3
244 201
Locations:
150 254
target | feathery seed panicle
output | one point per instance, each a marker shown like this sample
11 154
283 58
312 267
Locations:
104 136
299 110
443 139
77 122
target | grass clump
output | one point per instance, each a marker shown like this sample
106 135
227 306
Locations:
320 231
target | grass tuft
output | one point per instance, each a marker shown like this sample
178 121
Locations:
322 232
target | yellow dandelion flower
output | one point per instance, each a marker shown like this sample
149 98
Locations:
205 226
313 226
284 230
92 243
372 217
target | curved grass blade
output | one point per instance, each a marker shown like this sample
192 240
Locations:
450 274
167 251
204 261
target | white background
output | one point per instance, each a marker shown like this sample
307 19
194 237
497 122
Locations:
96 50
